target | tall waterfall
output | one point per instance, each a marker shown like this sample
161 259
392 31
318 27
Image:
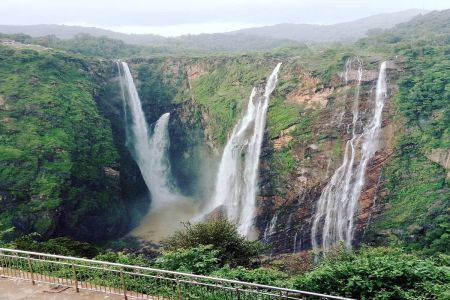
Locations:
237 179
337 204
148 151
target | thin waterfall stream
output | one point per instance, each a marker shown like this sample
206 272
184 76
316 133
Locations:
336 208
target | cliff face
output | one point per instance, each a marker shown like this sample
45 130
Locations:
60 170
287 211
308 124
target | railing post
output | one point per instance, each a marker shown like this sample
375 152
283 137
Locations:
238 294
124 287
74 271
180 296
31 270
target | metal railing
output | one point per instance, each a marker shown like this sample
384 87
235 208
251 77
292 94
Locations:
134 281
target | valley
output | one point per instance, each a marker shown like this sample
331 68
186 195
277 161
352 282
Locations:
308 151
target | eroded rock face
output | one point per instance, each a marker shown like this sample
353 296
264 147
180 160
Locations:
367 75
309 93
284 138
441 156
317 161
111 172
310 99
194 71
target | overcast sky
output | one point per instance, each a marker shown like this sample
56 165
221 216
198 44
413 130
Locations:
176 17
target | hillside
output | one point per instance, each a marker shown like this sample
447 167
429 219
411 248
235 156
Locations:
348 31
59 166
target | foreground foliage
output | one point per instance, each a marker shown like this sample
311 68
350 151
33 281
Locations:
233 249
369 273
379 273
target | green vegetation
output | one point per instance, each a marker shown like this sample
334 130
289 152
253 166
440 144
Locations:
282 115
60 246
233 249
54 147
379 273
159 87
198 260
418 193
369 273
224 91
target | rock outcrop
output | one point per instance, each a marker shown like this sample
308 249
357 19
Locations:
442 157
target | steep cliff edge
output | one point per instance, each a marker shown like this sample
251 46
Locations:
62 171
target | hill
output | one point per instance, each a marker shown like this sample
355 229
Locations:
349 31
262 38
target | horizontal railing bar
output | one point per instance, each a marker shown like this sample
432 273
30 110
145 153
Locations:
159 271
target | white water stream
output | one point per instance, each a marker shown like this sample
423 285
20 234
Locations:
338 203
237 179
168 208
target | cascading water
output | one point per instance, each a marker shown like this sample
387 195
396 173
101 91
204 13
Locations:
337 204
168 208
270 229
148 152
236 184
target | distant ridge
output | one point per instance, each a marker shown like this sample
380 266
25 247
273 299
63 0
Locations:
69 32
348 31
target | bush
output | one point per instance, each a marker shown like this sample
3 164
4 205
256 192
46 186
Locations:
222 235
198 260
379 273
124 258
261 275
60 246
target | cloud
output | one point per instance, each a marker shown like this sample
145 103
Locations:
141 14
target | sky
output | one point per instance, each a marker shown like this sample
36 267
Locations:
177 17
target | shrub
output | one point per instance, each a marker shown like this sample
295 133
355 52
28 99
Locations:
124 258
222 235
60 246
379 273
261 275
198 260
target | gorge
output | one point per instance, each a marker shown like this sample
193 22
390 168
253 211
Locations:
306 165
92 147
237 180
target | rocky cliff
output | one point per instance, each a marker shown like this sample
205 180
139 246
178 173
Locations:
308 124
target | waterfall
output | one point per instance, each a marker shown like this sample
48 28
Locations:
337 204
295 244
289 222
271 228
236 183
149 152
